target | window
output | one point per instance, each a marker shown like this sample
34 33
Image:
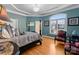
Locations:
30 26
61 24
53 26
58 24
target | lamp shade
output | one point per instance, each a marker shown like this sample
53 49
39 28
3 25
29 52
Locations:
3 14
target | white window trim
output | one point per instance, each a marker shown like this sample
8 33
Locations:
57 24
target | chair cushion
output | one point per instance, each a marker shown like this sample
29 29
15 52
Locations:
61 33
67 45
74 49
77 44
59 39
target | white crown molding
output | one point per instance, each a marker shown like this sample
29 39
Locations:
10 11
19 9
62 10
47 13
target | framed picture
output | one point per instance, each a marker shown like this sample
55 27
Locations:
74 21
46 23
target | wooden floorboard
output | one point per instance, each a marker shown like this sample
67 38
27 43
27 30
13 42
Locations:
48 47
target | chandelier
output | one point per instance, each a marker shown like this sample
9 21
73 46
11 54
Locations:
36 7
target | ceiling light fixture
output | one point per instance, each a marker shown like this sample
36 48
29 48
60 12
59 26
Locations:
36 7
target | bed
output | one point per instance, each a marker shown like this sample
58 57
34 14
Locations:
26 38
8 48
22 40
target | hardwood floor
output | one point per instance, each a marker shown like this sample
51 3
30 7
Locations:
48 47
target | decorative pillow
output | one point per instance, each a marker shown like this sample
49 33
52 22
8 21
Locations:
13 32
5 34
16 32
9 29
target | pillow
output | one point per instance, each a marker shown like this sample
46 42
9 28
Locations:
16 32
5 34
9 30
13 32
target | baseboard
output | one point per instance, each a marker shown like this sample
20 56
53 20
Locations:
45 36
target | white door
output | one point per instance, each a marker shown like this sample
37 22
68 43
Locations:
37 27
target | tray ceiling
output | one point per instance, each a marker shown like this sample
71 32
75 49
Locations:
44 9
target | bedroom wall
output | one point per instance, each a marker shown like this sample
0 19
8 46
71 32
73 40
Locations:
45 29
32 19
21 21
72 13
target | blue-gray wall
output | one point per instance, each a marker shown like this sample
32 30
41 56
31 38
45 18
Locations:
32 19
45 29
21 21
72 13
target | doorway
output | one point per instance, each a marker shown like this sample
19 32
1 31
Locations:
38 27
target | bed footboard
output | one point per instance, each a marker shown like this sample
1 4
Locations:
30 45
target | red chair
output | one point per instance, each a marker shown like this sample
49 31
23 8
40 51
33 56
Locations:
61 36
72 45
